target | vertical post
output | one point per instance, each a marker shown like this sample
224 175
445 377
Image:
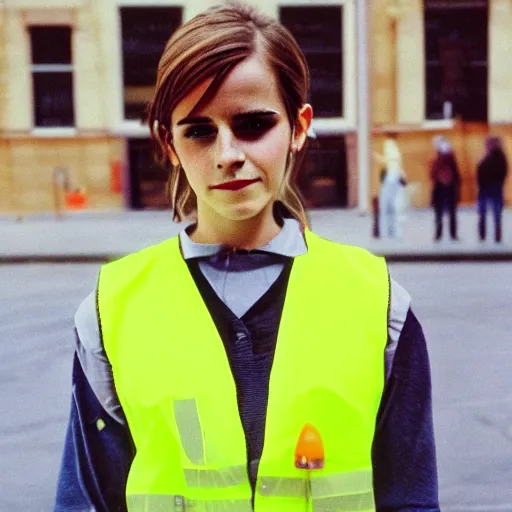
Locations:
61 185
363 108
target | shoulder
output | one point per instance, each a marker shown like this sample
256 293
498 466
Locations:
349 266
346 259
398 327
329 248
121 272
399 306
87 325
144 256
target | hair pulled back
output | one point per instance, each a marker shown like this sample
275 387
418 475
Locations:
209 46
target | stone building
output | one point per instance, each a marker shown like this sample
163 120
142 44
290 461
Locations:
441 67
75 76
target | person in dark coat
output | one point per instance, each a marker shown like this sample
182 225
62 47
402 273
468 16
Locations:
445 178
491 174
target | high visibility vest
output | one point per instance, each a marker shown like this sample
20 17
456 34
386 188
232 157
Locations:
175 385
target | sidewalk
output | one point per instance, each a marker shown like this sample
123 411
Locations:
102 236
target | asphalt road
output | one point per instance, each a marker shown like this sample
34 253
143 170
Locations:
466 313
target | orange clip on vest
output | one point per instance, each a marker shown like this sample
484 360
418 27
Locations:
309 453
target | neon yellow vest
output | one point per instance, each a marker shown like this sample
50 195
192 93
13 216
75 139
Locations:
175 385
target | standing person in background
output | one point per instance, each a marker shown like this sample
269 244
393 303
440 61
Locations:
392 183
445 177
200 360
491 174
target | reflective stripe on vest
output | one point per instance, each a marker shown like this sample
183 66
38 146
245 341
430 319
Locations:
225 477
343 492
177 391
355 483
187 419
168 503
354 503
173 503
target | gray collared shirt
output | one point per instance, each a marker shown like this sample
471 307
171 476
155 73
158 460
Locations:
239 280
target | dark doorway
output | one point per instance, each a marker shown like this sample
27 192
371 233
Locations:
322 177
148 179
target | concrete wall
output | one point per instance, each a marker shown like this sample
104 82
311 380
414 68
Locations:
500 71
28 165
382 48
17 104
410 61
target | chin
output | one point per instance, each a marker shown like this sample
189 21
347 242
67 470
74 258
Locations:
242 214
244 211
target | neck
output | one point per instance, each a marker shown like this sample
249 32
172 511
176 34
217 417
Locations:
241 234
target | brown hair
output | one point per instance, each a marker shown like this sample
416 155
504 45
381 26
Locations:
210 45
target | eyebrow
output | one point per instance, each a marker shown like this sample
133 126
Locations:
237 117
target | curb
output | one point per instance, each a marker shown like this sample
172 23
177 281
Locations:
483 257
397 257
26 259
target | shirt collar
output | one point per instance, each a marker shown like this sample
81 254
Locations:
289 242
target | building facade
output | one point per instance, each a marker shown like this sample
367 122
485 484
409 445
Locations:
75 76
440 67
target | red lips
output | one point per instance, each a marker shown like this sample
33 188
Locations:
235 184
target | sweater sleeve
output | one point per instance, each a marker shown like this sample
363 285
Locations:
98 448
404 460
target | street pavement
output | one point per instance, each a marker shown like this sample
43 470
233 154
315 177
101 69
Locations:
98 236
465 312
464 308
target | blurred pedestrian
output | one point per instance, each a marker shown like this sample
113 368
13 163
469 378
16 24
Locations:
491 174
391 192
201 359
445 177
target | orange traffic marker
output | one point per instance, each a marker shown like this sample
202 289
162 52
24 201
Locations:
309 453
76 200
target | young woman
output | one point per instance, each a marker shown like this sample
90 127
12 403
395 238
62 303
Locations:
247 364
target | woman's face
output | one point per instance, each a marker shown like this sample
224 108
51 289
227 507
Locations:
235 148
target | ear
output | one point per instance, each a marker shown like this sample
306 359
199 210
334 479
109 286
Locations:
302 125
173 157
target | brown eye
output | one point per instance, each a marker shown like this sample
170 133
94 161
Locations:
254 128
200 132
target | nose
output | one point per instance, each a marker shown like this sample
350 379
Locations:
230 155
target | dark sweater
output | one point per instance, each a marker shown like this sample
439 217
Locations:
492 170
250 343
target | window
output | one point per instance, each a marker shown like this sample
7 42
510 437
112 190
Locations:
318 30
145 31
456 48
52 74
